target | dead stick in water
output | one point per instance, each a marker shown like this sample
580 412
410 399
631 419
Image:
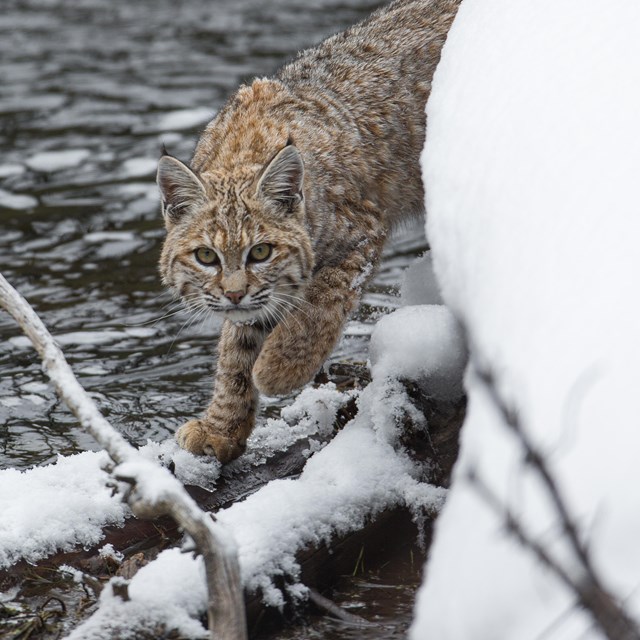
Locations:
337 612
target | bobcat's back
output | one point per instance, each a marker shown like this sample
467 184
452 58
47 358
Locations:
353 106
282 217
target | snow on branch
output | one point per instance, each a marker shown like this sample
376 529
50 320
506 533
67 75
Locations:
579 575
152 491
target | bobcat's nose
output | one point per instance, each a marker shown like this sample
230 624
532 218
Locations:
234 296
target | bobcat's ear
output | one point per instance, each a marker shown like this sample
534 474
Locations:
281 180
181 190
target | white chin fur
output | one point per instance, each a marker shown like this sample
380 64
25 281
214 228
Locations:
241 316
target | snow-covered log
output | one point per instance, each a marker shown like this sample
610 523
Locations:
319 413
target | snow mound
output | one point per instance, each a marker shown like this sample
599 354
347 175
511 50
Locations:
531 175
154 600
422 343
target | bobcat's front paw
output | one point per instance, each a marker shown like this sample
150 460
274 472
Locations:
201 438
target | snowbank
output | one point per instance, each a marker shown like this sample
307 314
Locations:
531 170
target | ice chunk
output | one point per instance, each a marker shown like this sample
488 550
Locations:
185 119
49 161
11 169
140 167
17 201
98 237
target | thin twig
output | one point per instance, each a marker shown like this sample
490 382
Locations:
606 610
536 460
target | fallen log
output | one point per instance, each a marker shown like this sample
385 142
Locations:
140 541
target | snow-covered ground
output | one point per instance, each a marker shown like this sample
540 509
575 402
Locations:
69 502
532 175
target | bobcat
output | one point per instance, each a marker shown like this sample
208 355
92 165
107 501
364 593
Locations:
280 220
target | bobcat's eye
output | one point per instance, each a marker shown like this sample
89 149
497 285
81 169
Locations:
207 257
260 252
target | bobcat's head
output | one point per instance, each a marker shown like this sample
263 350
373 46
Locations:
236 240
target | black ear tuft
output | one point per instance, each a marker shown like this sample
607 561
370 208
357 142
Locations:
282 179
181 190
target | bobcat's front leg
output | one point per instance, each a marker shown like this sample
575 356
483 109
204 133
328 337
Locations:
297 347
224 428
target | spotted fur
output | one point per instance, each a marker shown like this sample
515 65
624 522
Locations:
316 164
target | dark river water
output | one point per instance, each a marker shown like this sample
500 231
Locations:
89 91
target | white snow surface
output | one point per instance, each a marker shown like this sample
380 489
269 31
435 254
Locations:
402 340
356 476
153 599
531 174
56 507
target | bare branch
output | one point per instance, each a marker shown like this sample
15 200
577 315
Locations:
588 586
154 491
535 459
